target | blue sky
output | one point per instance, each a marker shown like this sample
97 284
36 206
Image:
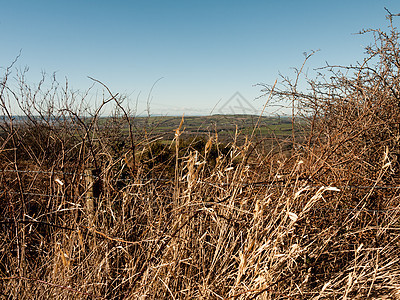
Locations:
204 51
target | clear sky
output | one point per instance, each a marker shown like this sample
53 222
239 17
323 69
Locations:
204 51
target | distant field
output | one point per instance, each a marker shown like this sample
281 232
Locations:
224 125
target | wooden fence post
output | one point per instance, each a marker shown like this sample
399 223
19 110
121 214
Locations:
92 191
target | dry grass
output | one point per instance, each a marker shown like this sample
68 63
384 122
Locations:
320 223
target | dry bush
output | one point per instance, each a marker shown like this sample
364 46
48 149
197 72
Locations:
85 216
351 116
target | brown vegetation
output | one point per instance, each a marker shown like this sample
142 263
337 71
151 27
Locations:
91 210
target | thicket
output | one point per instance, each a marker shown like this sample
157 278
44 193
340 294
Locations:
94 209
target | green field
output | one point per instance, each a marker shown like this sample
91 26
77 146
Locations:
226 126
